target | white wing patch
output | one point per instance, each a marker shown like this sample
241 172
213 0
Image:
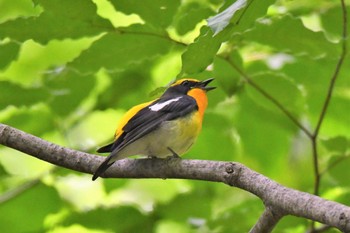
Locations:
159 106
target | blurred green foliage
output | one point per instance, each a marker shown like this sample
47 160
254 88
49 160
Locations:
70 69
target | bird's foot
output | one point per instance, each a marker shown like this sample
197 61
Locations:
174 154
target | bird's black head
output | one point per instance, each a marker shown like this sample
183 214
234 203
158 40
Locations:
182 86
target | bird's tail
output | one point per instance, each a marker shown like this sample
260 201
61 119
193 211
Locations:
102 168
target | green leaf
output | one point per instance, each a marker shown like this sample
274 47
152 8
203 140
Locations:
200 53
31 208
178 209
13 94
336 144
208 144
68 90
261 129
339 165
189 15
337 121
245 17
10 52
34 59
228 77
289 34
255 9
89 132
117 51
120 219
340 194
151 192
18 8
37 120
61 19
280 88
313 76
218 22
172 226
118 94
224 222
158 13
332 22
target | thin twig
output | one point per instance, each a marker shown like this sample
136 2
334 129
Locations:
271 98
317 175
336 72
329 96
18 190
334 163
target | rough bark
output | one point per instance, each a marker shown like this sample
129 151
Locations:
279 200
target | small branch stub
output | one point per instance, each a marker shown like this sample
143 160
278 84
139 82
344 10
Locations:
230 169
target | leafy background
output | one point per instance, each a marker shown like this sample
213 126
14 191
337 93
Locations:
70 69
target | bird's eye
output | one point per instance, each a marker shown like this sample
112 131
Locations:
185 83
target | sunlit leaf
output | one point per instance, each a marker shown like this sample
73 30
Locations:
117 51
61 19
218 22
200 53
231 221
20 8
37 120
172 226
34 59
189 15
158 13
32 206
242 15
178 209
119 219
332 21
289 34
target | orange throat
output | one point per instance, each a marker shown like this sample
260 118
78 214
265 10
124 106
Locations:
201 98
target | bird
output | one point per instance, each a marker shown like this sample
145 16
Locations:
162 128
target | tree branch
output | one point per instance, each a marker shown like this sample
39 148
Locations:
267 220
274 195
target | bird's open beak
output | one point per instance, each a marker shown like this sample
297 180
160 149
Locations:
203 85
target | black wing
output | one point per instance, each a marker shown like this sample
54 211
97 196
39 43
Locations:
147 120
106 148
